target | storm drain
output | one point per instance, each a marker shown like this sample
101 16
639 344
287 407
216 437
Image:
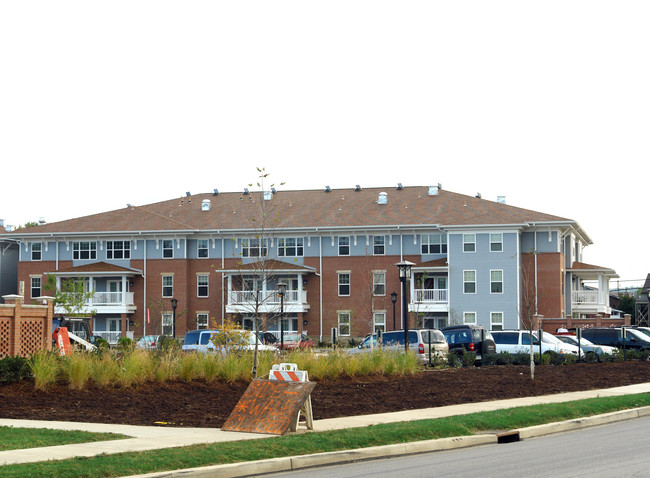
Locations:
508 437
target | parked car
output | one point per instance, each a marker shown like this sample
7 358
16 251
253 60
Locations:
295 341
612 336
202 341
268 338
148 342
471 338
587 346
519 341
418 343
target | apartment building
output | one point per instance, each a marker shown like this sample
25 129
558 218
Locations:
333 253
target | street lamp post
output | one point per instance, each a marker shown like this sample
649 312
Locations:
282 290
174 305
393 299
404 268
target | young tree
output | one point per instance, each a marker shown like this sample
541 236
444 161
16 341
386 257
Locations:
528 306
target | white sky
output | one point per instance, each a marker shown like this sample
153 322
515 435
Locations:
547 103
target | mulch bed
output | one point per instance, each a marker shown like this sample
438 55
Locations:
199 404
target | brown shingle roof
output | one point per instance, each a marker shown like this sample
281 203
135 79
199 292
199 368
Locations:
300 209
98 267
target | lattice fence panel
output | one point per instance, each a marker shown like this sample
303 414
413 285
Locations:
4 337
31 336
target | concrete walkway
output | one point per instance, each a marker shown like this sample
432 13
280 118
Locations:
151 438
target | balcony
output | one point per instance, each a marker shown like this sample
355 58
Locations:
429 300
268 301
109 303
589 302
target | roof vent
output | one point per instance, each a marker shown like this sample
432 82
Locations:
41 221
501 199
215 192
188 194
327 189
357 188
273 190
245 191
399 186
478 195
433 190
206 204
383 198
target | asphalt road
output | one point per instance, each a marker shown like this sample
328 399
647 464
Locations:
621 449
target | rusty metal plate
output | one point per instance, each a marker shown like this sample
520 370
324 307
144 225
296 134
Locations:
268 406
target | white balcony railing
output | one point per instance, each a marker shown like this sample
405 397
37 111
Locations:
110 299
266 297
110 337
585 297
430 295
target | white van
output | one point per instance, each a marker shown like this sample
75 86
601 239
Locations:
518 341
202 341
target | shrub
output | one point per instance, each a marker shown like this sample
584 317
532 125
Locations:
13 369
77 369
125 344
45 368
104 370
136 368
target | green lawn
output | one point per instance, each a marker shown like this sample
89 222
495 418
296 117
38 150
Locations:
12 438
300 444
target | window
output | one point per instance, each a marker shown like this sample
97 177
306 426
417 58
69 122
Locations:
202 248
168 249
37 251
469 242
379 321
344 283
202 285
469 317
201 320
496 320
253 248
344 324
118 249
496 242
496 282
291 247
167 323
379 283
84 250
344 246
378 245
168 286
35 287
434 243
469 282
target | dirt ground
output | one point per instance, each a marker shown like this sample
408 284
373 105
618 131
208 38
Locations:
199 404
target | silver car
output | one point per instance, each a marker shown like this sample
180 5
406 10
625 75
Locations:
419 340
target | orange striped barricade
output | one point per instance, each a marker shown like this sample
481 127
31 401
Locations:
288 372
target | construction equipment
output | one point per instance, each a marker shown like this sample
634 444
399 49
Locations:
68 330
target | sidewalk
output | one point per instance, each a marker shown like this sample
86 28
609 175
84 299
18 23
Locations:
150 438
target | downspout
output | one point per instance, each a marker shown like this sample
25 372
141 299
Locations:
535 248
144 271
223 292
320 283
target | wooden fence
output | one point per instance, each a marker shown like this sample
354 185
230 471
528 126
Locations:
25 329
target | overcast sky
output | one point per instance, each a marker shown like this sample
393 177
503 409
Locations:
546 103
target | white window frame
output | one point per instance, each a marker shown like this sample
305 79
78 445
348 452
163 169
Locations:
493 282
253 247
496 324
202 320
78 250
468 315
33 287
199 285
37 251
378 245
469 242
291 247
496 240
379 321
379 283
466 282
344 246
167 323
344 321
430 242
124 250
169 278
168 248
202 248
341 283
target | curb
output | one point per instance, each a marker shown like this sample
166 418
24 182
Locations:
293 463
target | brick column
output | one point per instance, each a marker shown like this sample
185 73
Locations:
48 320
627 319
14 322
599 320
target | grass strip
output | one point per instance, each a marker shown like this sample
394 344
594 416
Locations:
16 438
250 450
